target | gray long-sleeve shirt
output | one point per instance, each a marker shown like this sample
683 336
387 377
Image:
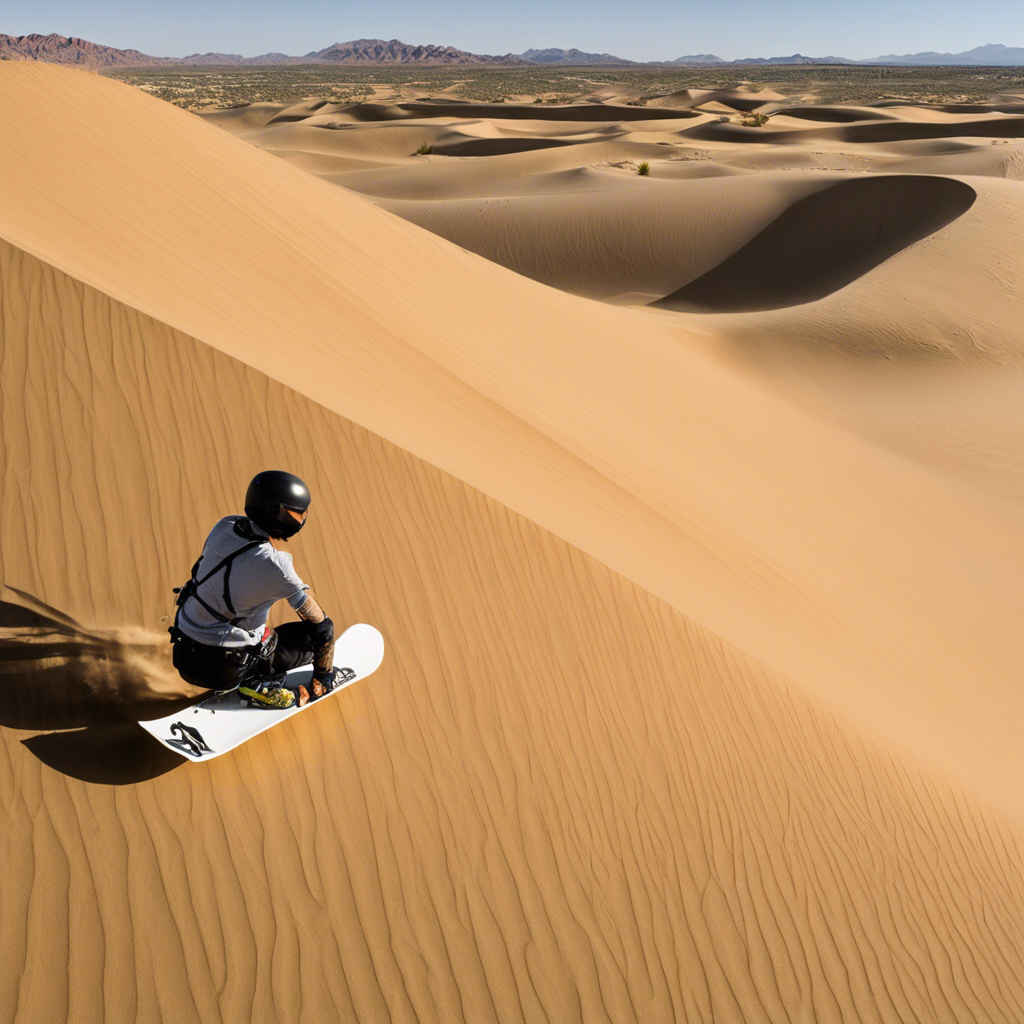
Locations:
259 578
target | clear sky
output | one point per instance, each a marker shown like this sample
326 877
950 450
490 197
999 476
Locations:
637 30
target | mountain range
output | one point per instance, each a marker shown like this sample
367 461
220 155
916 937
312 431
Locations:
991 55
71 50
59 49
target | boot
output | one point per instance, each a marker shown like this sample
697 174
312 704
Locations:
271 695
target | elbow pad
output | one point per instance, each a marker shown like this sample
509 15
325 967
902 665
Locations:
321 633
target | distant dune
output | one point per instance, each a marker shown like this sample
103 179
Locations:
702 699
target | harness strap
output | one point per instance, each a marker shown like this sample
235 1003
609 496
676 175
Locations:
225 564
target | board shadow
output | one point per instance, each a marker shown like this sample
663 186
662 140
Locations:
111 755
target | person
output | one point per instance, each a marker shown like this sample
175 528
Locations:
221 640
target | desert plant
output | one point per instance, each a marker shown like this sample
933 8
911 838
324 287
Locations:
755 120
425 149
643 169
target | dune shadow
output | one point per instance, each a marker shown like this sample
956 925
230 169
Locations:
499 147
825 241
899 131
87 688
111 755
882 130
834 114
543 112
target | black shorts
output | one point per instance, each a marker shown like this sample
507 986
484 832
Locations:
224 668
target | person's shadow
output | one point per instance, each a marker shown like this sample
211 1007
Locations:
87 688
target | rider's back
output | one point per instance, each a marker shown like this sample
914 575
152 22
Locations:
256 578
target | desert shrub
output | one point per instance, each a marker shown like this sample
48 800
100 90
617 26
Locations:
643 169
880 85
425 149
755 120
722 120
538 100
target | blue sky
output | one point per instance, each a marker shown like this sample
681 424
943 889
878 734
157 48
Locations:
637 30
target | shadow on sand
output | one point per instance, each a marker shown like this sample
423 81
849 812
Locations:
87 689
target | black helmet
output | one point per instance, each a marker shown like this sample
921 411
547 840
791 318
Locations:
271 499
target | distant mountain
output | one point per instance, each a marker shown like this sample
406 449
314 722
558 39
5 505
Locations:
993 54
698 58
574 56
269 58
236 60
56 49
380 51
220 59
796 58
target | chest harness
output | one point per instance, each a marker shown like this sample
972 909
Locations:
191 588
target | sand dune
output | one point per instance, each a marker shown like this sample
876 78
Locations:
699 704
715 99
826 240
642 245
835 114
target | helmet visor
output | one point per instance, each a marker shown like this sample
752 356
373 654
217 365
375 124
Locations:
291 519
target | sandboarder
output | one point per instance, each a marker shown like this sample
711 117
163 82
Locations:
220 635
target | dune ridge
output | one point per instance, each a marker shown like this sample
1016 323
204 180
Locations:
803 803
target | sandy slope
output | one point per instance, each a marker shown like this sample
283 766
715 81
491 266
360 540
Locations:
737 740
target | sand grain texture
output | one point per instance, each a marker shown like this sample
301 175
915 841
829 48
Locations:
681 716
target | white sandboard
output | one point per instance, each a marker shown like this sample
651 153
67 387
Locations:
221 725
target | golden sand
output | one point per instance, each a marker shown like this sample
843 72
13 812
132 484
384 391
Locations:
702 696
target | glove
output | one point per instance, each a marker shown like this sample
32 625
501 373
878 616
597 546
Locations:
320 633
